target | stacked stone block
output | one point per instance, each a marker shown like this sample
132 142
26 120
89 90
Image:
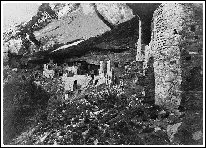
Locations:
169 34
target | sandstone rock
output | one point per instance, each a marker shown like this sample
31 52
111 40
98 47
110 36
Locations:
87 8
66 9
116 13
76 26
197 135
13 45
172 130
80 21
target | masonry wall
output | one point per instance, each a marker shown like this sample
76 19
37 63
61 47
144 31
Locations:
176 45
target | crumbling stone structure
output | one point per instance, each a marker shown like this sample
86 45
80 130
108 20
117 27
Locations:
176 46
48 73
139 56
104 77
71 81
109 73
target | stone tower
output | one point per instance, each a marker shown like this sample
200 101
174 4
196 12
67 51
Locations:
176 45
139 56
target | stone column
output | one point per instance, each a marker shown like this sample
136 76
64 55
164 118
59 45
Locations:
45 66
101 70
139 56
109 72
166 53
171 37
108 66
146 57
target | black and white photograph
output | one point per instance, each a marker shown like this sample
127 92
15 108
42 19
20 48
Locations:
103 73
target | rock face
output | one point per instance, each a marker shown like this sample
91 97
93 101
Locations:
63 9
13 45
80 21
177 30
60 23
75 26
22 34
172 130
115 13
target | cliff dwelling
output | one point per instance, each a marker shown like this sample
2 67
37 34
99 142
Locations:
106 73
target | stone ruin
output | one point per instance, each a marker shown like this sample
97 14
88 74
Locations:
139 56
48 73
71 78
176 46
176 40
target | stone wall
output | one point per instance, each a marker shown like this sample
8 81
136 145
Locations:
176 45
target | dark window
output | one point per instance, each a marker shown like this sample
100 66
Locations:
192 28
151 59
49 67
60 73
75 84
36 75
196 37
92 75
96 81
188 58
175 31
173 62
116 64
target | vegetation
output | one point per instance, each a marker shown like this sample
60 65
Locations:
101 115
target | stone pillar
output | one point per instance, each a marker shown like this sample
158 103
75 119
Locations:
66 96
169 39
109 72
139 56
108 67
166 52
44 66
146 57
167 70
101 70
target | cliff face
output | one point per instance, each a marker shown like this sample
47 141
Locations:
76 25
57 24
24 31
115 13
83 21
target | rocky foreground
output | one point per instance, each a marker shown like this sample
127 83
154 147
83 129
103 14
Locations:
116 115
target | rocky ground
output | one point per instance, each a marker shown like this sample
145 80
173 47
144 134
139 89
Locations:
37 114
